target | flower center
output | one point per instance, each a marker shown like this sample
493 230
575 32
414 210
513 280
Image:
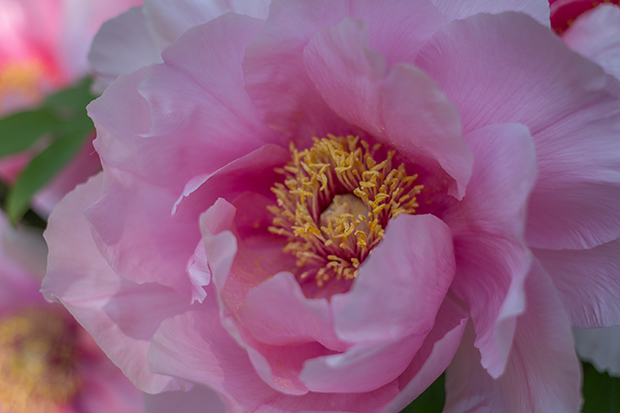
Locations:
334 205
37 362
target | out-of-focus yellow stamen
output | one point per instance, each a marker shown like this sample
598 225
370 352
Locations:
335 203
37 362
21 79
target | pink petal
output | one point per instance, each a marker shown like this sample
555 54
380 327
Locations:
196 346
434 355
136 192
355 83
170 20
560 97
401 286
542 373
199 399
121 315
253 172
462 9
277 312
596 35
491 257
274 69
123 45
198 100
600 347
104 387
588 283
240 264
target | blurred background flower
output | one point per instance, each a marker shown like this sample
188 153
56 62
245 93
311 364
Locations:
43 49
48 363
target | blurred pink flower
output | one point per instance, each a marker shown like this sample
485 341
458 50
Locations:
223 246
43 48
48 363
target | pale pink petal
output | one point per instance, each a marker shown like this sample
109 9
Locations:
542 373
408 274
79 24
277 312
461 9
433 357
596 35
122 45
199 399
491 257
169 20
198 100
560 97
600 347
120 315
275 74
134 231
104 388
363 367
196 346
356 84
588 283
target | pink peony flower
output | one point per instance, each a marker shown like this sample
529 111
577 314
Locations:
325 209
43 48
48 363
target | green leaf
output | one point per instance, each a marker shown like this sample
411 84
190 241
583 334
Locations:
21 130
44 166
600 391
431 401
76 97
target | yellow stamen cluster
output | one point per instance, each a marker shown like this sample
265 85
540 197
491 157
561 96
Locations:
37 357
335 203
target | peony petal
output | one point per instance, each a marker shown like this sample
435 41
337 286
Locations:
560 97
600 347
354 82
275 75
170 20
588 282
199 399
462 9
121 315
408 273
196 346
122 45
361 368
277 312
136 234
239 264
542 373
491 257
253 172
198 102
434 356
596 35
